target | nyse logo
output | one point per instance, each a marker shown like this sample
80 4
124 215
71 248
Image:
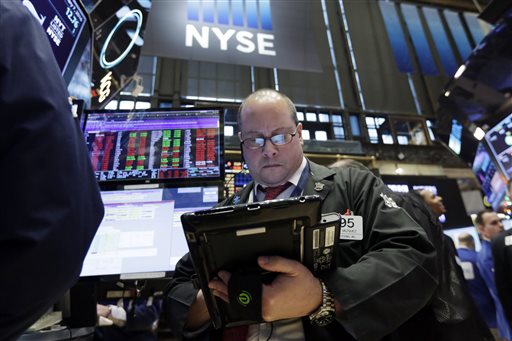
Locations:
231 24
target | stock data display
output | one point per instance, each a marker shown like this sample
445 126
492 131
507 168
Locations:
64 22
146 145
499 139
493 185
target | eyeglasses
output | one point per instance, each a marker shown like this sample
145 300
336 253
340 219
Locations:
277 140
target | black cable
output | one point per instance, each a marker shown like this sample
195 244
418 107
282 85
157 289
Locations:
271 331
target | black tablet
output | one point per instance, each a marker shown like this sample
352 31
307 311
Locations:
232 237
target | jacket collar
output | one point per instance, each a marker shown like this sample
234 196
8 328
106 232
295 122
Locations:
319 183
320 180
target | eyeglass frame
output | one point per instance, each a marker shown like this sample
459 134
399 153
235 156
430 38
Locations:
242 142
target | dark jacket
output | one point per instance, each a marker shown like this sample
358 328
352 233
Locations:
49 199
451 314
502 254
393 246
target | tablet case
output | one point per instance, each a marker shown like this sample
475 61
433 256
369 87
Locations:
232 237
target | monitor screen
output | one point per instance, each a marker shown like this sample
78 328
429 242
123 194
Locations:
67 27
499 139
156 145
493 185
455 140
448 189
141 234
237 177
454 234
80 84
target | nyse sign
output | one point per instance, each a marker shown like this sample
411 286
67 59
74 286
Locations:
246 42
263 33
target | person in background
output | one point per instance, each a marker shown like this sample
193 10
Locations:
476 285
433 201
353 302
50 201
455 275
128 319
489 226
502 254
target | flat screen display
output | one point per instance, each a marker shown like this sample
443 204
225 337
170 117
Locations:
493 185
141 234
455 140
80 84
156 145
455 216
67 27
499 139
455 233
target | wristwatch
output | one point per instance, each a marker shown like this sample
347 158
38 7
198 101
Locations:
327 312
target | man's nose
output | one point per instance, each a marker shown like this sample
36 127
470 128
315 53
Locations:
269 149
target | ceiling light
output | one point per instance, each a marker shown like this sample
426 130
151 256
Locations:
460 71
479 133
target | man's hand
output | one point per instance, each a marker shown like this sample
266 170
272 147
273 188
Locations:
295 292
197 314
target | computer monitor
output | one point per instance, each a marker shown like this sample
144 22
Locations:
454 234
499 140
156 145
80 84
68 28
237 177
455 140
141 234
493 185
455 216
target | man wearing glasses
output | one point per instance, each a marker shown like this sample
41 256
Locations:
386 270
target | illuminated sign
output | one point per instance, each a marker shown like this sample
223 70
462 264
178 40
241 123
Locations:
135 14
118 39
261 33
63 22
258 18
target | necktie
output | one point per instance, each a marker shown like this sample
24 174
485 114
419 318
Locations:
273 192
240 333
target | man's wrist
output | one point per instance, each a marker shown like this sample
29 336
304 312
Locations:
319 295
326 313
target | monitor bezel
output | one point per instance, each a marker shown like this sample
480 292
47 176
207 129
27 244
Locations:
171 181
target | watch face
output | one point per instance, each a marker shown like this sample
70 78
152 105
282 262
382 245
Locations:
327 311
323 318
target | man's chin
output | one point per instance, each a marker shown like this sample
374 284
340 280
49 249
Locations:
272 181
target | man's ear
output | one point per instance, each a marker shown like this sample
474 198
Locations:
480 228
299 133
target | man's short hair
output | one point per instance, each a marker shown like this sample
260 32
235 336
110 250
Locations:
466 238
479 220
262 93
